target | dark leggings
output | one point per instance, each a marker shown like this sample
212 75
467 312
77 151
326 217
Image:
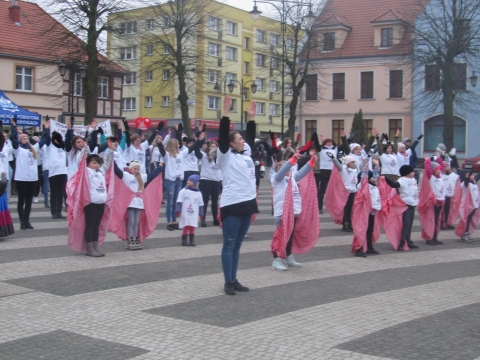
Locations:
93 218
186 174
408 216
446 210
324 179
210 189
57 191
371 226
25 196
39 183
317 183
469 220
437 209
347 214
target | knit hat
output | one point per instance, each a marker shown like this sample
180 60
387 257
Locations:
406 140
442 148
354 145
401 146
405 170
57 136
21 136
348 159
194 179
132 164
435 166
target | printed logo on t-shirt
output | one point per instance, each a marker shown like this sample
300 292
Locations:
190 210
101 188
393 162
133 181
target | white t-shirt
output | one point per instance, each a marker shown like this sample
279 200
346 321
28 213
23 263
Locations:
450 182
408 190
279 190
5 154
238 177
375 197
133 153
326 163
438 187
118 158
403 160
130 180
190 163
26 167
155 155
9 143
57 160
349 177
389 164
174 165
191 202
44 151
98 186
474 191
210 170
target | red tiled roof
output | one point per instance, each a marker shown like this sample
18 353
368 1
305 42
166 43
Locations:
38 36
333 20
358 14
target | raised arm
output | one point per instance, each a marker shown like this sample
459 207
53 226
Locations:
250 133
68 139
391 183
415 143
153 174
118 172
346 147
280 175
161 148
337 163
14 136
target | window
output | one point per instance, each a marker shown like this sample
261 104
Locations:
432 78
288 89
310 128
167 22
368 127
214 23
166 49
287 110
231 28
311 87
231 53
274 39
366 85
260 108
260 84
387 37
396 84
393 125
229 77
245 93
434 133
24 78
459 77
103 87
213 49
129 53
338 89
246 43
165 100
246 67
337 125
129 27
212 76
213 102
273 110
149 75
233 105
148 101
274 63
261 35
129 104
130 78
77 85
150 24
329 41
274 86
289 44
149 50
166 74
260 59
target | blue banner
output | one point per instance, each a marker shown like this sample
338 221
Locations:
9 109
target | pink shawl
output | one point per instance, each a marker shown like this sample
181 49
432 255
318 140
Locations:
307 226
336 196
455 202
466 208
426 202
390 217
284 230
78 196
152 200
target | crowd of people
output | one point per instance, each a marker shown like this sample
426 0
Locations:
119 183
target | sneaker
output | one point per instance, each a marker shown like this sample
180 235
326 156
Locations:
411 245
228 288
465 238
372 252
360 253
290 261
35 199
170 227
55 216
137 244
277 264
131 244
438 242
175 226
60 216
430 242
239 287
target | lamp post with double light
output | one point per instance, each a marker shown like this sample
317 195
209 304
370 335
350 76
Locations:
243 92
72 70
283 7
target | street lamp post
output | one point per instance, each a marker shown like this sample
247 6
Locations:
72 68
243 91
286 6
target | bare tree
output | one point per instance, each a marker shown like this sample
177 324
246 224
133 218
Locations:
446 38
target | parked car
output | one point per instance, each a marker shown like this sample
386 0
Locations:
472 163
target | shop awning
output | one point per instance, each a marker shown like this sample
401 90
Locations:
23 117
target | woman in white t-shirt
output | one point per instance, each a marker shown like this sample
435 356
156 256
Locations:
26 174
388 156
136 148
210 179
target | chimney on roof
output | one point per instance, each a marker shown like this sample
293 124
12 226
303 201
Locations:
14 12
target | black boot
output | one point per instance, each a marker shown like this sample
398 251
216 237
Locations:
192 240
360 253
203 223
23 226
438 242
371 250
430 242
216 222
28 225
239 287
401 245
228 288
184 241
411 245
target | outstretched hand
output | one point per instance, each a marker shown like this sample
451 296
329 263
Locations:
397 134
227 104
12 122
313 161
293 160
342 133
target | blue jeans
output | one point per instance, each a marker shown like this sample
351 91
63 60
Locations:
172 188
46 184
234 230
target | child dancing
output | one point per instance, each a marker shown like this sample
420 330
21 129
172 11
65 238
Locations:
188 208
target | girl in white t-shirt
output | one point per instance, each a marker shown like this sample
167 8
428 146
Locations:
469 188
189 208
388 156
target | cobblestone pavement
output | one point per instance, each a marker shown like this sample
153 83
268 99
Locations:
167 301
